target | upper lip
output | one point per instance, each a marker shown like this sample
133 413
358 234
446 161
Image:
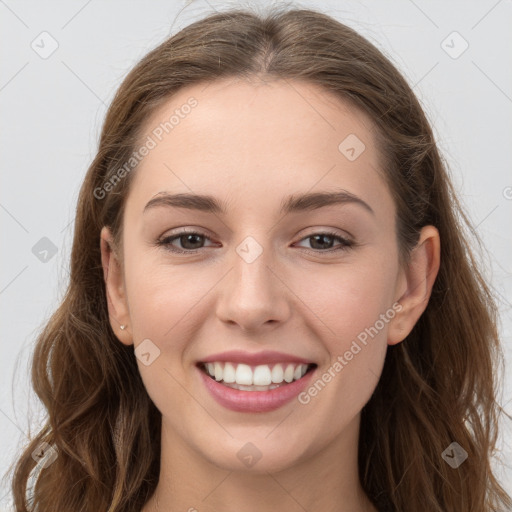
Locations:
256 358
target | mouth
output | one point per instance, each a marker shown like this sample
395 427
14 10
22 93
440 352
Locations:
263 377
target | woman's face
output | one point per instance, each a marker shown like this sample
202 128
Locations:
258 276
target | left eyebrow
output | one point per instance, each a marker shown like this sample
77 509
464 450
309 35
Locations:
291 204
315 200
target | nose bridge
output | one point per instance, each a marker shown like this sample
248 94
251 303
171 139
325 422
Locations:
253 294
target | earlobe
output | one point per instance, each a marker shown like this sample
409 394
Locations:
420 275
115 291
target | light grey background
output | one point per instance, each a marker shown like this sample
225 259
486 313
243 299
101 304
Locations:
52 109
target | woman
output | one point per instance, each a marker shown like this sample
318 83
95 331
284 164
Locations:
211 353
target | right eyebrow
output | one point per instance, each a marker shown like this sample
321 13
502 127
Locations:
199 202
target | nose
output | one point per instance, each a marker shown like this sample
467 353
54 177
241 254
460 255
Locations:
254 295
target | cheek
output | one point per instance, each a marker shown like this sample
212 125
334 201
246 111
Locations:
164 303
347 300
161 298
354 308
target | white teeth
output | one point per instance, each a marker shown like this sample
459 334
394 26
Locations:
288 373
229 375
243 375
262 375
218 371
277 374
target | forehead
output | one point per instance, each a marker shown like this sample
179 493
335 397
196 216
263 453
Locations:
232 135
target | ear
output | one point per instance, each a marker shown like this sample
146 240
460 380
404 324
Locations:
417 280
114 284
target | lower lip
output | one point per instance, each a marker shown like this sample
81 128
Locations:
255 401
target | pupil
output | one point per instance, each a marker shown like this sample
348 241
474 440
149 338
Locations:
321 237
184 240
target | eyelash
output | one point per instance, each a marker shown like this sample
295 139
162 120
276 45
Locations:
345 243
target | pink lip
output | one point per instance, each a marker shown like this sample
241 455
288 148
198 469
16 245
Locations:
265 357
255 401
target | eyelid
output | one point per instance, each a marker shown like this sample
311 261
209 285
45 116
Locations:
341 233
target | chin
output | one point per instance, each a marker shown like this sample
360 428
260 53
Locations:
258 457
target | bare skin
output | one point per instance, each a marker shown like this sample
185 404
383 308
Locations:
250 145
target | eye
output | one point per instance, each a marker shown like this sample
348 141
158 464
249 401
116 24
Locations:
190 241
322 242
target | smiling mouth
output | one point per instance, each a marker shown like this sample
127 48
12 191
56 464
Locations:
255 378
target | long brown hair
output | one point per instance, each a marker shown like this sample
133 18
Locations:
437 387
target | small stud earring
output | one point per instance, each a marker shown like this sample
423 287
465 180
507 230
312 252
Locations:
123 327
